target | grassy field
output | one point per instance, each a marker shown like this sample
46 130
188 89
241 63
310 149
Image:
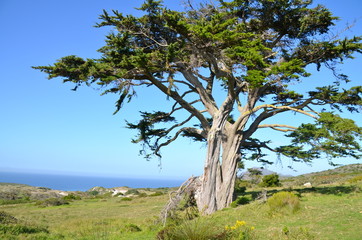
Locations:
332 211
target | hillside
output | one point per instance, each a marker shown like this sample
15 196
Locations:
332 176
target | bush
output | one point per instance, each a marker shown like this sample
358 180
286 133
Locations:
284 201
71 197
191 230
355 179
242 200
132 192
126 199
9 225
142 195
6 218
271 180
50 202
93 193
18 229
155 194
132 228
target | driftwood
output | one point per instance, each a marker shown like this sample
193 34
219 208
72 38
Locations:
187 190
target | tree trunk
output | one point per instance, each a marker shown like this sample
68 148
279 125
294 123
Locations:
217 182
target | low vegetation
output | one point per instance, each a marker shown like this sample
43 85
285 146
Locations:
284 212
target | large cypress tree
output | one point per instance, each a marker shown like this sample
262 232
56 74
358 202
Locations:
253 52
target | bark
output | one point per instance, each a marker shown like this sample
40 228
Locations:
217 182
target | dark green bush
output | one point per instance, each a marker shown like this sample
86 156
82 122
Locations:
271 180
71 197
93 193
132 228
242 200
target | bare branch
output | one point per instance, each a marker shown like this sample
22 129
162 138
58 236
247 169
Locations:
177 134
278 127
281 109
173 94
206 99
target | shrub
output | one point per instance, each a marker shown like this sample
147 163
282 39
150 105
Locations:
284 201
142 195
6 218
355 179
132 228
132 192
155 194
241 185
50 202
126 199
242 200
271 180
71 197
191 230
93 193
18 229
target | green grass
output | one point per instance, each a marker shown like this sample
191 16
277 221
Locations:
326 212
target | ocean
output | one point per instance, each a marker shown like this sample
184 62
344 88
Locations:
83 183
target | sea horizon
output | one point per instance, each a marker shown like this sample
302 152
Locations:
66 182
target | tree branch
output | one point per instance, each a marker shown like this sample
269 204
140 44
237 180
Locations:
173 94
278 127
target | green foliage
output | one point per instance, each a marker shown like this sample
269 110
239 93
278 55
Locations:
283 202
71 197
132 228
355 179
299 233
18 229
196 229
93 193
256 47
155 194
331 134
126 199
6 218
241 200
11 226
132 192
240 231
241 186
271 180
50 202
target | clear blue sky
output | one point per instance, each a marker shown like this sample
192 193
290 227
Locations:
45 127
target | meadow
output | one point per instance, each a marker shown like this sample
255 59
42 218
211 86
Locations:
330 210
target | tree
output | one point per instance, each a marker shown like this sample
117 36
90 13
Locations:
271 180
251 52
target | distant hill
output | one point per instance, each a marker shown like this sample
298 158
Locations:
246 175
337 175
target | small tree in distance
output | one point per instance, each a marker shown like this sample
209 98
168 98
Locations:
253 53
271 180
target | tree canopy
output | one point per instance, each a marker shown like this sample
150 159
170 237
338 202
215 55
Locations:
254 52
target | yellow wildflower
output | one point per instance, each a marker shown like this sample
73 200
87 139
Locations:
240 223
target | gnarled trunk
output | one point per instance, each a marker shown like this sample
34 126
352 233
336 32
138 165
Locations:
217 182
